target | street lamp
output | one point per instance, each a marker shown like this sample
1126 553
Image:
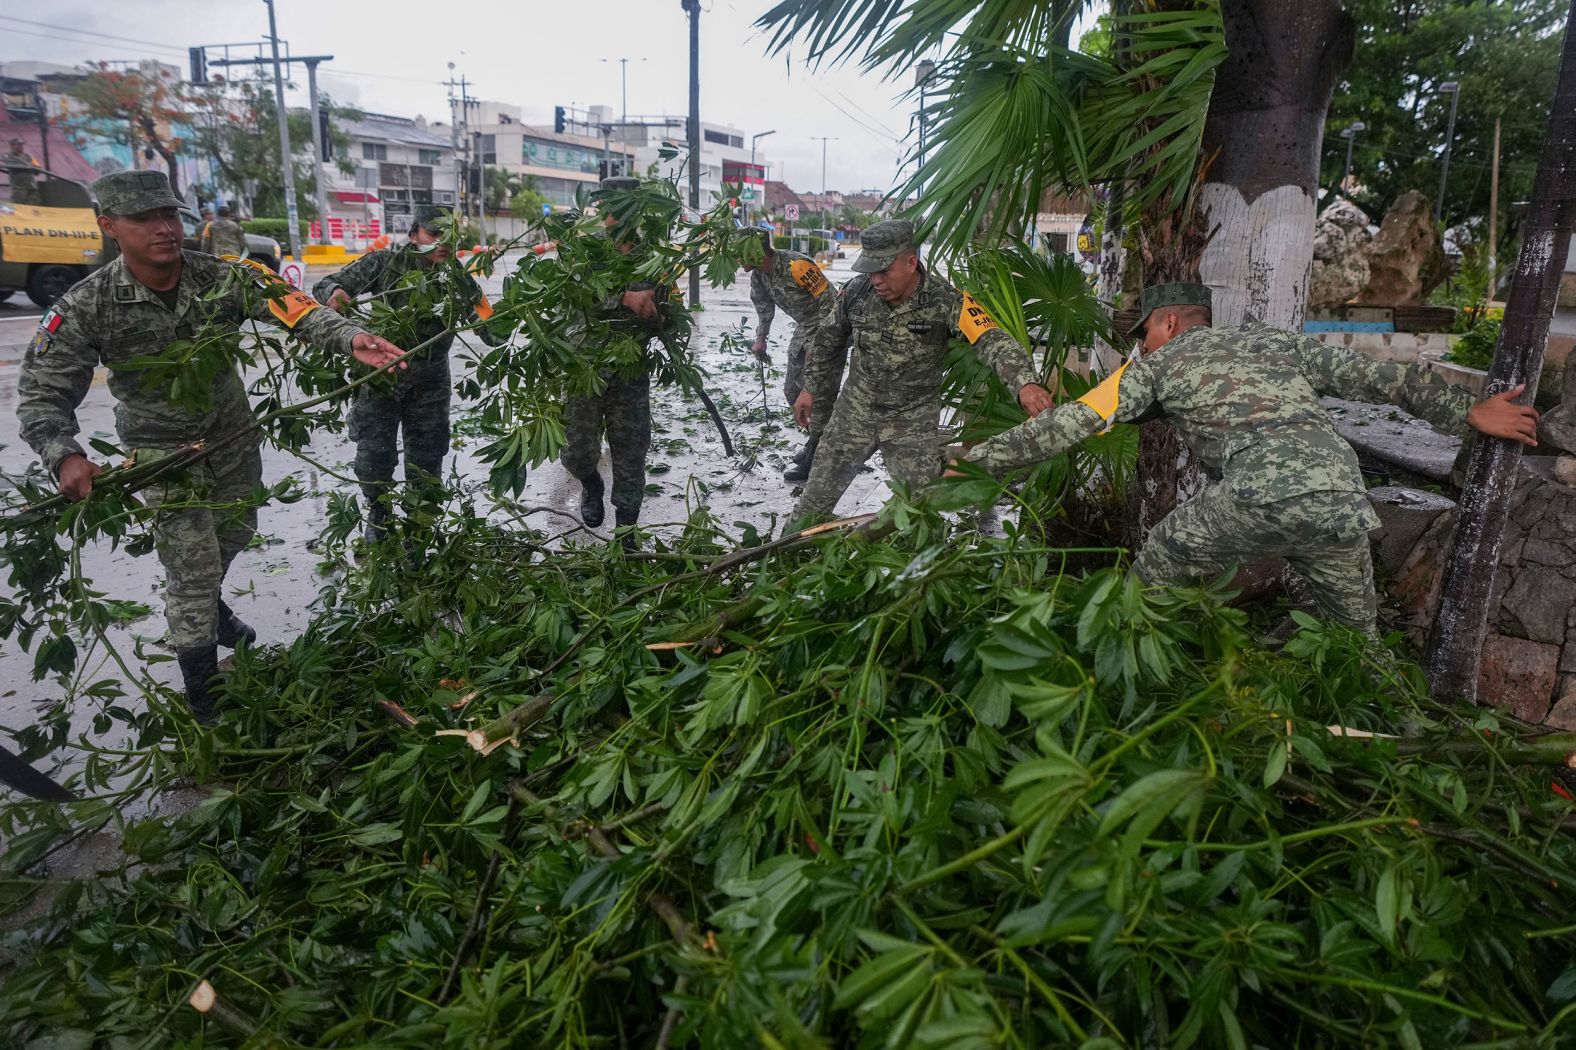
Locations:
753 140
1453 89
922 73
623 84
1350 135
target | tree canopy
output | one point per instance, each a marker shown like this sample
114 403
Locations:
1503 53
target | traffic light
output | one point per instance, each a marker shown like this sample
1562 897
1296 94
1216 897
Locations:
199 60
558 119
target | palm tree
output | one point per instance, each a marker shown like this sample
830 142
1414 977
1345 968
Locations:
1205 120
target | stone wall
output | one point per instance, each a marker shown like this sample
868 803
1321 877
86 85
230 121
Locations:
1529 656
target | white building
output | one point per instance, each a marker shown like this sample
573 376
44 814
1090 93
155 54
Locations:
724 154
557 163
400 162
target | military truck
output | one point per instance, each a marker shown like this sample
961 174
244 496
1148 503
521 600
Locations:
47 247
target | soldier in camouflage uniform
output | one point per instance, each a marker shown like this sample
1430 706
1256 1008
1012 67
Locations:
898 316
622 410
416 402
1246 400
223 236
155 294
795 283
23 172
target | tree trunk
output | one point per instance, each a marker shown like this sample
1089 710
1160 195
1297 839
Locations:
1261 147
1263 135
1455 642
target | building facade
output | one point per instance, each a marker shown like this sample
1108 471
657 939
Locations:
558 164
400 162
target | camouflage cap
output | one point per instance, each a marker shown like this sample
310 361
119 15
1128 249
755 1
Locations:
882 243
134 192
619 182
433 218
1176 293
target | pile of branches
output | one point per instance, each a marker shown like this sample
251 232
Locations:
890 784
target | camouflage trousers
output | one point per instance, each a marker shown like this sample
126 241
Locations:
908 440
622 411
1322 535
197 544
793 381
415 408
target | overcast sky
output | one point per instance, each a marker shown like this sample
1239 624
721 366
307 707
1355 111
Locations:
392 57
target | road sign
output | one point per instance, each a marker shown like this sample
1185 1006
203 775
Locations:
790 212
293 273
747 194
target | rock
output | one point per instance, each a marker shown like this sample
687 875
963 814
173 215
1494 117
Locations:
1340 255
1405 255
1386 433
1404 516
1537 603
1518 675
1565 467
1558 425
1563 714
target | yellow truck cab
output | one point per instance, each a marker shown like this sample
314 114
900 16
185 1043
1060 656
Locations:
47 247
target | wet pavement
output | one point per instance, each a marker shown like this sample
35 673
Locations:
273 585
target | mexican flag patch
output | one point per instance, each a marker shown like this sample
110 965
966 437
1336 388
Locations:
50 322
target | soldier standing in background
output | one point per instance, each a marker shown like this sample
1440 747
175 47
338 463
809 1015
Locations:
623 409
152 295
23 172
1246 400
416 403
899 316
223 236
795 283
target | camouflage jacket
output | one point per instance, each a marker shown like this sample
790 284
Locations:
898 351
383 271
223 237
109 318
795 283
1246 400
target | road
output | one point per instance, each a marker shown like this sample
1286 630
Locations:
273 585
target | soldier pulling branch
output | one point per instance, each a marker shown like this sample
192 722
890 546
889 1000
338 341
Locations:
1246 400
897 316
153 295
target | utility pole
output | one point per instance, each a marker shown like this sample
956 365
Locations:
693 7
1453 88
1455 642
922 73
286 165
317 127
317 151
454 138
1493 214
824 140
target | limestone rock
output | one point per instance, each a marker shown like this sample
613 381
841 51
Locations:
1404 516
1518 675
1340 255
1537 603
1563 714
1558 426
1405 256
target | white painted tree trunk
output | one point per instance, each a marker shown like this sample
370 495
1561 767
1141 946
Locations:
1259 260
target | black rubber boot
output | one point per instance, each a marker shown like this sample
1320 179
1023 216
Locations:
800 471
234 632
591 509
625 519
198 666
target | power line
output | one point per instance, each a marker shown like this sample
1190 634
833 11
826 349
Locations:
91 33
